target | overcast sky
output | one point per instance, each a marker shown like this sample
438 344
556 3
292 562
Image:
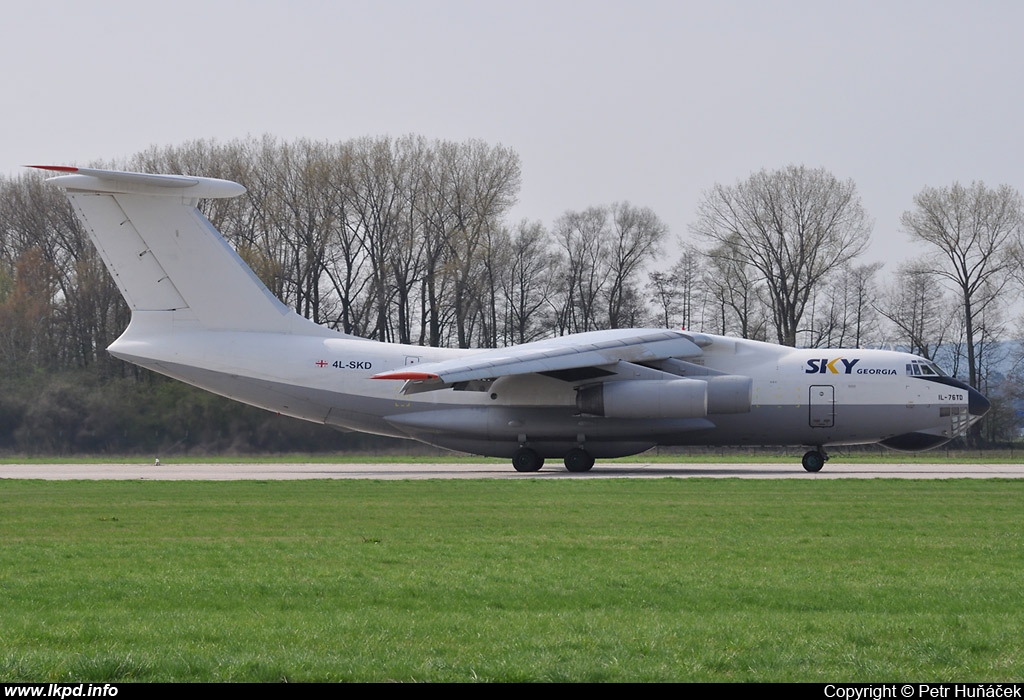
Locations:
650 102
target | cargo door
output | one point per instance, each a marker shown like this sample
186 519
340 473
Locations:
822 405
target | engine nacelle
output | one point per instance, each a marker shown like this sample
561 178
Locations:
671 398
657 398
729 394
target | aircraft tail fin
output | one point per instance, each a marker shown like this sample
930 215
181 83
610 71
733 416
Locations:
165 255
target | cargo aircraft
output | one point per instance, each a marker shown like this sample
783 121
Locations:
200 315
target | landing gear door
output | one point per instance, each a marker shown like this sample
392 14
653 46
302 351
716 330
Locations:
822 405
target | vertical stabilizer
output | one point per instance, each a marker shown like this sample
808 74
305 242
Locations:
165 255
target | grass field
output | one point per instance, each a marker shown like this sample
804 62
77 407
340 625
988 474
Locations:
461 580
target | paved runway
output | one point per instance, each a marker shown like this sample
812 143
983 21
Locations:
498 470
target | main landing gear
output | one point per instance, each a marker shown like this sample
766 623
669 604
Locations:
576 460
527 460
814 460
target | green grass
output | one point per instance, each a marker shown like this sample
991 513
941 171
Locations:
512 580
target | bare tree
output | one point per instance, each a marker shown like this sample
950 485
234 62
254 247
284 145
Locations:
467 188
57 276
305 217
637 234
842 312
792 227
735 291
605 248
583 236
664 289
688 273
487 184
527 282
975 235
920 314
348 264
28 333
377 209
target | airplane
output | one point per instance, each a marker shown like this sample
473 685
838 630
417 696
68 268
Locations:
200 315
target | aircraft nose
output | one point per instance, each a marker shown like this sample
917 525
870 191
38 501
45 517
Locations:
977 404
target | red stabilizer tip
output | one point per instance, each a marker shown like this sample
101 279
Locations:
420 376
58 168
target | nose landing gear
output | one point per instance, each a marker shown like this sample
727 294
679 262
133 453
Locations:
814 460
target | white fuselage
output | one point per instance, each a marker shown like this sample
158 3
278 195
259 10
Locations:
797 397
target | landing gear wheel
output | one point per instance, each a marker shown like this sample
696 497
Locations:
527 460
578 460
814 460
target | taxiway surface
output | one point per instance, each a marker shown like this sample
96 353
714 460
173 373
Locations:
169 471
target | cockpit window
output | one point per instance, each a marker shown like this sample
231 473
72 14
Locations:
924 368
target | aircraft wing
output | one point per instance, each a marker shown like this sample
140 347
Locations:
573 358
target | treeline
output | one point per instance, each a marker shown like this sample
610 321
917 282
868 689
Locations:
407 240
410 240
78 412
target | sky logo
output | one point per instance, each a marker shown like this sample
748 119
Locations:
826 365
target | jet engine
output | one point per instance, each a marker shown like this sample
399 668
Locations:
666 398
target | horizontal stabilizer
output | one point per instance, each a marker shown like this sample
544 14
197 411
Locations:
120 182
